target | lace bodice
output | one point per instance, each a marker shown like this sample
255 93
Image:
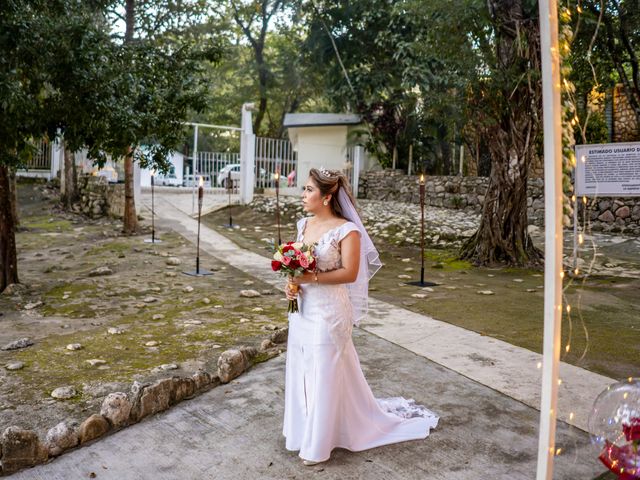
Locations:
327 249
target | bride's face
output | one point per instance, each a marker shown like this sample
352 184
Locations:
311 197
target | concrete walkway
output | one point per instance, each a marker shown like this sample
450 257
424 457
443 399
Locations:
234 432
486 392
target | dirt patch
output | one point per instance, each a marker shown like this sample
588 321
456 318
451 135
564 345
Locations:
163 316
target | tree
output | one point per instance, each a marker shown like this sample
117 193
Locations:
605 51
508 108
399 66
253 19
91 91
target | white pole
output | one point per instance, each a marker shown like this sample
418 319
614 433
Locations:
461 158
553 235
194 169
355 181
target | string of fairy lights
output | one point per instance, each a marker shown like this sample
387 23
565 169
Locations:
571 203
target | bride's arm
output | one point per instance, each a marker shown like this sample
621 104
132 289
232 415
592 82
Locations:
350 256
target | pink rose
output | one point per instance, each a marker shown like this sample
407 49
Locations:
304 262
286 260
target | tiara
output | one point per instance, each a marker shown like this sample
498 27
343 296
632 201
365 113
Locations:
326 173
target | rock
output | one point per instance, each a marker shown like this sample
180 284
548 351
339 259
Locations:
74 346
518 280
404 277
266 344
406 260
20 449
250 293
170 274
257 309
187 289
95 362
64 393
115 331
248 282
116 409
231 364
485 292
201 379
61 438
173 261
14 366
17 344
168 366
152 343
280 336
100 272
419 295
31 306
607 217
159 396
622 212
93 427
193 322
157 316
150 299
206 301
244 320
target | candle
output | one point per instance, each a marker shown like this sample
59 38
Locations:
422 186
200 188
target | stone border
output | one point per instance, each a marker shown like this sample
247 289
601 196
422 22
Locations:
21 448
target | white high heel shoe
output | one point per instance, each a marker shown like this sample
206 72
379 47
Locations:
309 463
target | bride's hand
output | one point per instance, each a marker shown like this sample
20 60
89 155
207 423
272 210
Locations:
289 294
306 277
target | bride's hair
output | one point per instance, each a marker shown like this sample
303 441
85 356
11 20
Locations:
329 182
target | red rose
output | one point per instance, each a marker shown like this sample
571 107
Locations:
312 265
632 430
275 265
286 248
294 263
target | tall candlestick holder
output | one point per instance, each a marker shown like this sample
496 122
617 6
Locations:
422 282
229 185
153 238
198 271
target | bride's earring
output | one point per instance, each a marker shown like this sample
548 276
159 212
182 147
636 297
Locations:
325 203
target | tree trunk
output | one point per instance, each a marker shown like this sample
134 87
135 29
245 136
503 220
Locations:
130 219
502 236
13 184
70 190
8 256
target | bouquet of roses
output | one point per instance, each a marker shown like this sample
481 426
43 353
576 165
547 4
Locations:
292 259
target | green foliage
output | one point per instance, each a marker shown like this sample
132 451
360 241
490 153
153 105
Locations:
64 75
406 71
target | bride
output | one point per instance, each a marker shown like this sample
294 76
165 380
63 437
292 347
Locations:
328 403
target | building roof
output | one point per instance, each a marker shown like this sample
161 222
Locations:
320 119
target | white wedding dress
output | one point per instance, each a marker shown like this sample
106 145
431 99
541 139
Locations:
328 403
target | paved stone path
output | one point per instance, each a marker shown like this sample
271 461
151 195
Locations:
233 432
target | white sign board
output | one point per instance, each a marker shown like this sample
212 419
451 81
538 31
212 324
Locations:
608 169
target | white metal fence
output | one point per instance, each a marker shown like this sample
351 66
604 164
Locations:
274 155
215 168
41 159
